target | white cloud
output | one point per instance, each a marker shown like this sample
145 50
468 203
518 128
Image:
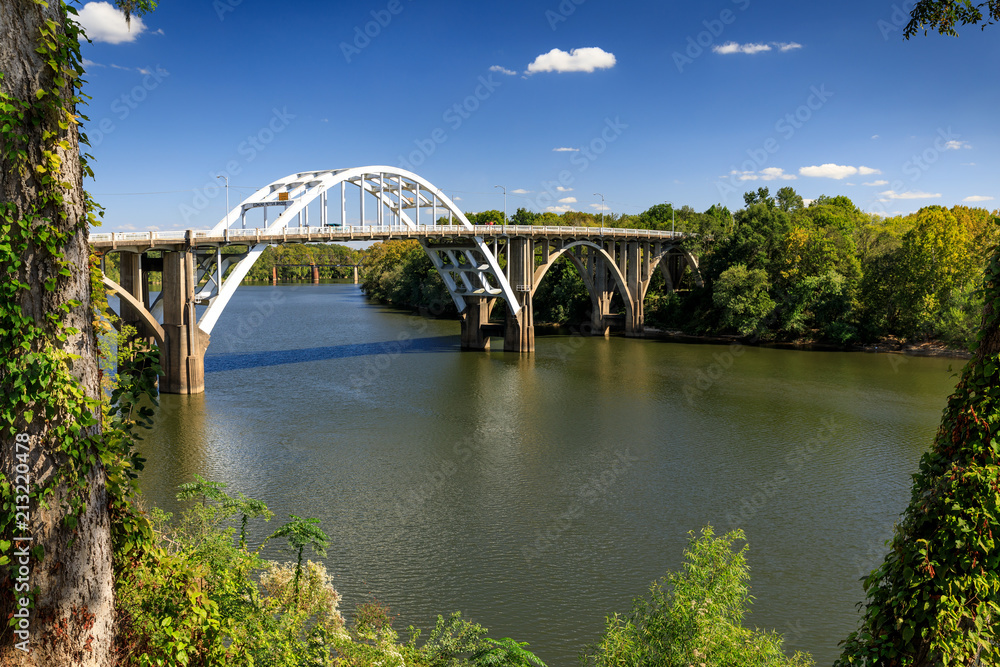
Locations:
565 150
975 198
578 60
560 188
456 199
103 23
787 46
768 174
875 136
520 191
775 174
91 63
733 47
875 184
807 202
968 164
568 200
503 70
158 31
954 145
127 227
829 170
559 209
868 171
913 194
600 207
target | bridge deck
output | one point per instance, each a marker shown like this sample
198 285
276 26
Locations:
178 239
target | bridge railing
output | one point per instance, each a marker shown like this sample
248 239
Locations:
152 237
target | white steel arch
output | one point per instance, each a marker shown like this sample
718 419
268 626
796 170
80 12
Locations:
471 269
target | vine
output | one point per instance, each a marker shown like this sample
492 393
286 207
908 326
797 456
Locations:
936 597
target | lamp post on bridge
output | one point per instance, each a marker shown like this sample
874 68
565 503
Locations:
227 198
504 202
598 194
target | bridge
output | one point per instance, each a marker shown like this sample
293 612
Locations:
481 265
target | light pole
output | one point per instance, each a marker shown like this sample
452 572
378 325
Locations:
227 199
598 194
504 202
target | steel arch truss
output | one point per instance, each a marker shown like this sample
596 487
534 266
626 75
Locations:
387 197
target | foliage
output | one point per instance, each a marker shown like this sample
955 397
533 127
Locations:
944 15
741 295
199 597
694 616
936 597
400 273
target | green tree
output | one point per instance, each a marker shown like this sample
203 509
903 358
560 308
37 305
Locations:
945 15
49 373
935 599
694 616
741 296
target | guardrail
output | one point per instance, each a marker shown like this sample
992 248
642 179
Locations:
373 232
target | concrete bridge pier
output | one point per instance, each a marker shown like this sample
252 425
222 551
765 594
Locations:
519 331
634 252
601 293
183 355
475 324
130 278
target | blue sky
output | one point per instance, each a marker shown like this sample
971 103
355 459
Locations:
688 102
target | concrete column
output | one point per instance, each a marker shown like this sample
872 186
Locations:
474 320
519 332
603 290
274 275
315 274
130 277
634 324
355 275
183 354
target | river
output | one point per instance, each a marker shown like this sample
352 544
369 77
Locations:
538 494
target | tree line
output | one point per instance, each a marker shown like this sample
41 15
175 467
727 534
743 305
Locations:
777 269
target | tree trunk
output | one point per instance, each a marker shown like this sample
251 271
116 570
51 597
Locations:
72 622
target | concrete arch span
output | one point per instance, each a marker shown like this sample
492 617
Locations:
601 275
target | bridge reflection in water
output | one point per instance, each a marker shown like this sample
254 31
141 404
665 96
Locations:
481 265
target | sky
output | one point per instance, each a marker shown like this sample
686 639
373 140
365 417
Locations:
692 103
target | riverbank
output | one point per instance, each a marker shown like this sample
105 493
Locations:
931 348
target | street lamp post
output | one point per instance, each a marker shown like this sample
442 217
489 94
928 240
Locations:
504 202
227 199
598 194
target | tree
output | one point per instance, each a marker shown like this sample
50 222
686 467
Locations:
944 15
694 616
48 352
